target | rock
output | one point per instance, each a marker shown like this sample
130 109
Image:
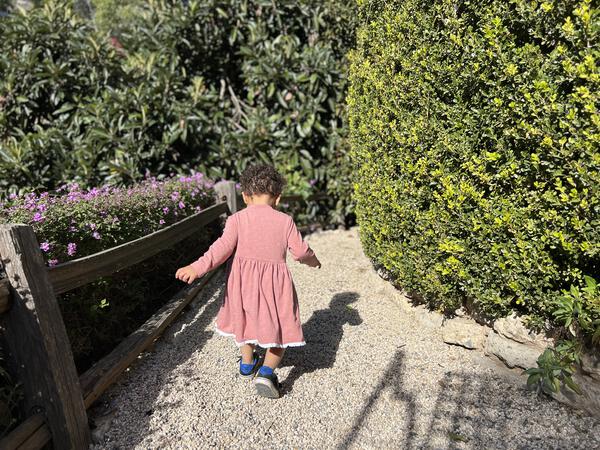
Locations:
590 365
461 312
101 426
512 327
464 332
513 354
426 318
589 400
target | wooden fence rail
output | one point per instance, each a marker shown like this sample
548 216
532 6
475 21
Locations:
39 352
79 272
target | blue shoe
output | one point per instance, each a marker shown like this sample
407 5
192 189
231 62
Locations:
247 371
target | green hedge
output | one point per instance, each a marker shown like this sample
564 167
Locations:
475 131
212 87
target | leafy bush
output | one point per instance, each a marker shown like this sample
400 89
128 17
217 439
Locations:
213 86
80 222
72 109
474 129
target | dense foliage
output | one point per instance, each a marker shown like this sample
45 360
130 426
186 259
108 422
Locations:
475 131
214 86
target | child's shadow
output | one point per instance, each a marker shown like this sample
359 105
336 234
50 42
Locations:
322 333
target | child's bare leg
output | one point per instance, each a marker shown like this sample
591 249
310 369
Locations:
247 351
273 357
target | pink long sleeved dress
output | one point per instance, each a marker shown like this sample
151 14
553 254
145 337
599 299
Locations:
260 305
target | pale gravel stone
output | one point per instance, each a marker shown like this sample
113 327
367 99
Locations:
371 377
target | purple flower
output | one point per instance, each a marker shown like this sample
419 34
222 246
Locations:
181 205
45 246
52 262
313 182
71 248
161 221
165 210
238 185
96 235
72 229
37 217
12 196
42 207
93 226
175 196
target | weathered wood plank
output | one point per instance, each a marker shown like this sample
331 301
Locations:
38 346
4 295
106 371
38 439
20 435
79 272
227 189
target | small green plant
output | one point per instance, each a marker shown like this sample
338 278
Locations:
578 310
578 313
556 367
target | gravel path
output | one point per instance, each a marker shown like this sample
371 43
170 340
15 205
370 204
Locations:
371 376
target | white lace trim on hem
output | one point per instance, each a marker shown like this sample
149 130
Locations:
255 341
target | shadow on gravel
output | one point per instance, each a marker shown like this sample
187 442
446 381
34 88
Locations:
463 405
183 342
390 379
322 333
470 412
475 412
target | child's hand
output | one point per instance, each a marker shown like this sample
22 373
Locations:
312 261
186 274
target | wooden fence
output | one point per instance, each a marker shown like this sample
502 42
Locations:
56 398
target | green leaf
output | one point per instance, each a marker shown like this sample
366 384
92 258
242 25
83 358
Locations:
534 379
572 385
457 437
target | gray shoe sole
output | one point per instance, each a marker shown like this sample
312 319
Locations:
265 388
247 377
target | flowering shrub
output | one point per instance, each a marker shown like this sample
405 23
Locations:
73 222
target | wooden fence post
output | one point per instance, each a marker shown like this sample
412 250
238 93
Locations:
227 189
37 341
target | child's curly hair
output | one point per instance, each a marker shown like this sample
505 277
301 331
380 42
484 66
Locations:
262 179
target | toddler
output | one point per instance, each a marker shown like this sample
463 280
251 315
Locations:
260 306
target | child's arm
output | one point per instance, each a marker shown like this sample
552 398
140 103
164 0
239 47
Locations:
299 248
216 255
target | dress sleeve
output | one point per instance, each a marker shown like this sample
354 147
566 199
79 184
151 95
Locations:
298 247
220 250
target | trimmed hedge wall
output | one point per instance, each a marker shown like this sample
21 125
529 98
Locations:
475 130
